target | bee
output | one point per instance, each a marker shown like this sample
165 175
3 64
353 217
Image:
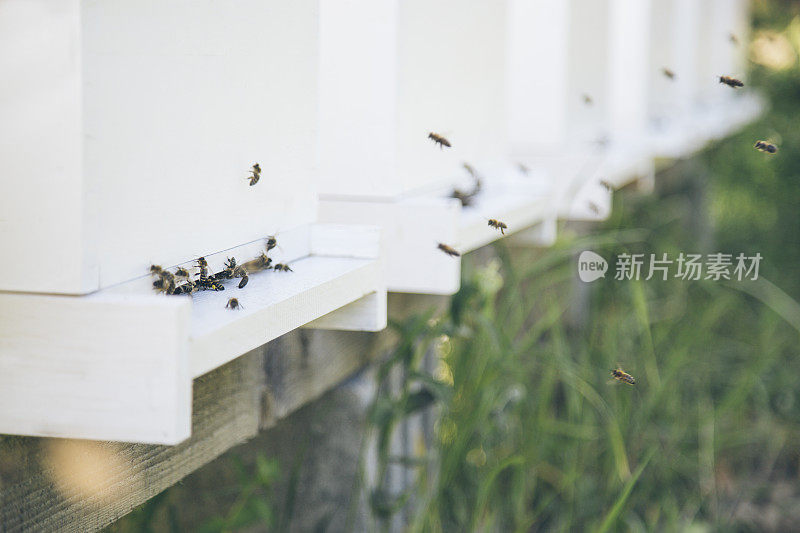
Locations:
764 146
262 262
449 250
731 82
272 242
256 174
182 272
498 225
155 269
212 285
241 272
164 285
523 168
622 376
233 303
464 197
587 100
594 208
733 38
607 185
202 263
668 73
282 267
187 288
438 139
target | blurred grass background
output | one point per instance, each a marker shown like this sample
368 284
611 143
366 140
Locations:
528 435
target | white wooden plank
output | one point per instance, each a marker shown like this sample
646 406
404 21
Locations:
412 229
108 368
358 98
536 73
365 314
274 303
451 80
41 168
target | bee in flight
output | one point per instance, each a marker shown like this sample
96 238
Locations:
731 82
272 242
668 73
233 303
764 146
255 174
498 225
438 139
449 250
594 208
622 376
607 185
733 38
523 168
587 100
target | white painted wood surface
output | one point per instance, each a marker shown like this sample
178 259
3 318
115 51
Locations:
118 364
107 368
135 125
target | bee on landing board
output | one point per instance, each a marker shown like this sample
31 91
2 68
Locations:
764 146
233 303
498 225
282 267
255 174
449 250
438 139
668 73
622 376
731 82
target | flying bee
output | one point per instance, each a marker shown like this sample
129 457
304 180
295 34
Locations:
764 146
438 139
733 38
283 267
594 208
255 174
272 242
233 303
464 197
587 100
622 376
607 185
523 168
449 250
181 272
498 225
668 73
731 82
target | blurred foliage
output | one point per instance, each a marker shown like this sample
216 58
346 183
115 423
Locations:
528 434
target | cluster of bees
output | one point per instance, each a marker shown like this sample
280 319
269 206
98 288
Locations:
466 197
181 282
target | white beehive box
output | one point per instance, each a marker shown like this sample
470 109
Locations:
391 72
129 128
127 132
